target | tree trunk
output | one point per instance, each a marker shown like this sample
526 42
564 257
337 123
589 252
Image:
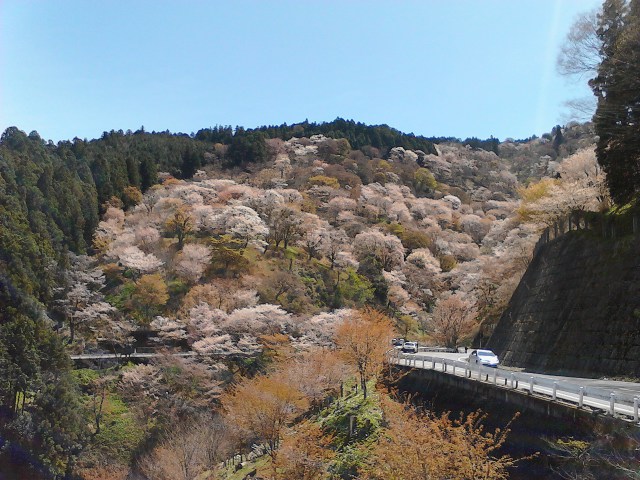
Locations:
363 385
72 330
98 409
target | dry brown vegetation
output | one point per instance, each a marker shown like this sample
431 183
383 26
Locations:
363 340
419 445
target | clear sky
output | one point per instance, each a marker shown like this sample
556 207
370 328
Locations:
433 67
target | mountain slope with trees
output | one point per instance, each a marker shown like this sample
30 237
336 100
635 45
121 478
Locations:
272 245
137 238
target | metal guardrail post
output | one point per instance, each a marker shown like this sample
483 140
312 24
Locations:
612 404
581 397
423 363
433 363
495 376
531 380
512 379
444 365
479 372
635 409
555 389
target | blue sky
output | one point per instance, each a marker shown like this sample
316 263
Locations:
433 67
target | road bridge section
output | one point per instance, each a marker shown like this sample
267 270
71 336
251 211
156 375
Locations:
547 395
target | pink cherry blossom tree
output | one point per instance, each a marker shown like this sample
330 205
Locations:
387 249
192 261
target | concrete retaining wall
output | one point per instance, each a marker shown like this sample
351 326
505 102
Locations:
576 310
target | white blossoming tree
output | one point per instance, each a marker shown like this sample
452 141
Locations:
387 249
134 258
192 261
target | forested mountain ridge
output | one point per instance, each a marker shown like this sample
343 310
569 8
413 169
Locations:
356 133
300 230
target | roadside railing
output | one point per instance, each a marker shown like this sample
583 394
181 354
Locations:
612 402
135 354
151 354
436 349
606 226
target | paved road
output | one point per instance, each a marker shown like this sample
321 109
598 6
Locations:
631 388
596 392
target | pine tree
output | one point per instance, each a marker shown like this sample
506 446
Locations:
148 172
617 88
190 163
558 138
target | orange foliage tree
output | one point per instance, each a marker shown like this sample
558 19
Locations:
363 339
180 224
419 445
305 454
150 294
262 407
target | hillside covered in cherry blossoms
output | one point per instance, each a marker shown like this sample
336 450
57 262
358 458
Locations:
250 265
213 262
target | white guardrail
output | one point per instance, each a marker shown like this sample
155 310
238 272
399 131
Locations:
613 402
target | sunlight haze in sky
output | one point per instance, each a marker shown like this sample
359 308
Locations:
432 67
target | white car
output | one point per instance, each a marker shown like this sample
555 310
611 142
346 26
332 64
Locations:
484 357
410 347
